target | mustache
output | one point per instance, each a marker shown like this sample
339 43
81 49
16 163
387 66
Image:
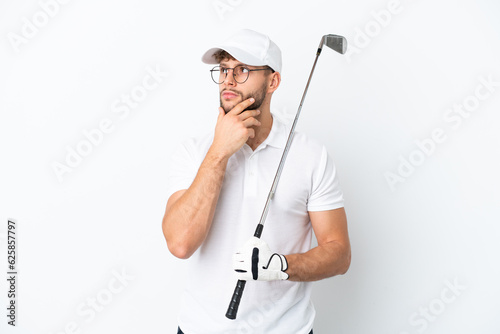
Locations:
230 90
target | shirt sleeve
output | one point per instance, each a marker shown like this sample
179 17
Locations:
183 168
326 193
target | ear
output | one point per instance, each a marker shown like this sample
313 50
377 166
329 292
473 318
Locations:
274 82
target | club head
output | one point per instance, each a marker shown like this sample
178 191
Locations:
335 42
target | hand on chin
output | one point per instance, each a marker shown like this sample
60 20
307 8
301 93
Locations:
228 106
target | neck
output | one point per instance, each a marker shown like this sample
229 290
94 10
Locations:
262 131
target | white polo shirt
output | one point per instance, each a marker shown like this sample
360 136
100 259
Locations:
308 183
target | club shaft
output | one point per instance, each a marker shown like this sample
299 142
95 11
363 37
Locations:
285 152
232 310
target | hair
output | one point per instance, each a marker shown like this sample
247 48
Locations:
221 55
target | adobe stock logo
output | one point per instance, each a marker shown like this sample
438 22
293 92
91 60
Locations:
426 315
122 107
223 6
454 117
373 28
89 309
31 27
256 318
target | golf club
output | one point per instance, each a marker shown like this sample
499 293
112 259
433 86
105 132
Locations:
338 44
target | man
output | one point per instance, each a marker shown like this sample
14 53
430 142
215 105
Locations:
218 186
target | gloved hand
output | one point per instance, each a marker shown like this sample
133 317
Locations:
255 261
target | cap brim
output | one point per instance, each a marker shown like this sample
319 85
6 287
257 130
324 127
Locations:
238 54
208 57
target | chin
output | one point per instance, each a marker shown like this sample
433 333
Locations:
228 106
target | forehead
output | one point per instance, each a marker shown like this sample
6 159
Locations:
233 63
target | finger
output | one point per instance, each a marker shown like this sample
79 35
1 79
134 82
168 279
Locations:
249 113
242 106
239 258
221 114
243 276
249 122
252 242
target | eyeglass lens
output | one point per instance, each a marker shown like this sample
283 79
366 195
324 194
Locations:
219 73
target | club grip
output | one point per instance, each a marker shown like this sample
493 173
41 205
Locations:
258 231
232 310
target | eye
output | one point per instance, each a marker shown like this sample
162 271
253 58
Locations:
223 69
239 70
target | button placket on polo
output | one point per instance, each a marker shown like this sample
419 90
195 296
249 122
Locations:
251 174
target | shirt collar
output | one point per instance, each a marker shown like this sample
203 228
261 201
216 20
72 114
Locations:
278 135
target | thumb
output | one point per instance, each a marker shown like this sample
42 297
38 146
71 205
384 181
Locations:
221 113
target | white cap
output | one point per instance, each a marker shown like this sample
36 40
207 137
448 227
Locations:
249 47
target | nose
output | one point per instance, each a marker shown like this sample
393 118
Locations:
229 80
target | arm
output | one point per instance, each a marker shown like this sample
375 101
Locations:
189 213
331 257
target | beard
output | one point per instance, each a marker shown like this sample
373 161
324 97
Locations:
259 95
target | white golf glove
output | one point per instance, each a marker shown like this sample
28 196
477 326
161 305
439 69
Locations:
255 261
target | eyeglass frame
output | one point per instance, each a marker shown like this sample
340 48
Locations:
234 76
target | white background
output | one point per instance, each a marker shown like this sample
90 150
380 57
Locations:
410 241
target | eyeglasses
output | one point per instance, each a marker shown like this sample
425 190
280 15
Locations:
240 73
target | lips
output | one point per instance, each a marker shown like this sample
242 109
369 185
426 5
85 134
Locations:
227 95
